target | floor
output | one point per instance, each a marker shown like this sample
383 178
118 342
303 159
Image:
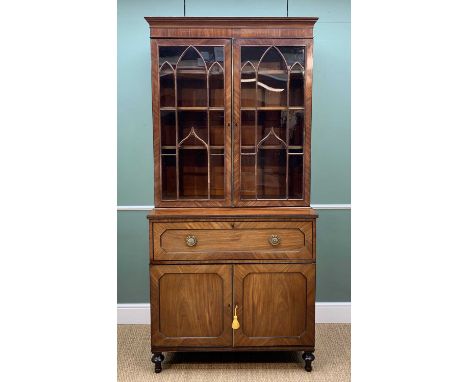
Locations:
332 362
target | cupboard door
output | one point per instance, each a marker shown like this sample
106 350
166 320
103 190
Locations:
191 116
191 305
275 304
272 117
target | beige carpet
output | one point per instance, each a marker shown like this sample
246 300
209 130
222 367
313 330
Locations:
332 360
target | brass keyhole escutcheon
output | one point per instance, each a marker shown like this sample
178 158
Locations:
274 240
235 323
191 240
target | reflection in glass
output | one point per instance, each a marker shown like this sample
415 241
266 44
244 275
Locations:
193 174
216 77
168 177
296 128
217 128
217 176
196 120
248 85
191 79
295 174
271 173
248 177
272 79
272 122
166 85
272 118
296 86
293 54
248 128
168 129
271 167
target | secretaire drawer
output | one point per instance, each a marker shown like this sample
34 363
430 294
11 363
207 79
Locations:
232 240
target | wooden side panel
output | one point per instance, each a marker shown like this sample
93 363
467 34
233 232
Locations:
191 305
276 304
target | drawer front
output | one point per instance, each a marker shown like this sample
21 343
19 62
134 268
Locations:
232 240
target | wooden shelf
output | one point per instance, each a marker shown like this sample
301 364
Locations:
272 108
274 71
291 147
192 71
192 108
191 147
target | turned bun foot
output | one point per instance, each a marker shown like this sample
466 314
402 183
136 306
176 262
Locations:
157 359
308 357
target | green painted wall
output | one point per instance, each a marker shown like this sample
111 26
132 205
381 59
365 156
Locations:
330 132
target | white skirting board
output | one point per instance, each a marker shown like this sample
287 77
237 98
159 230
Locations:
325 312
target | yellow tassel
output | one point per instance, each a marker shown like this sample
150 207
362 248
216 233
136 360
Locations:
235 324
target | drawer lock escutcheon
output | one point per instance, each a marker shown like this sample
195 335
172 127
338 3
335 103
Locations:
274 240
191 240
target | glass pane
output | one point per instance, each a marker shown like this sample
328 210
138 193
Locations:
272 136
272 60
166 86
191 89
212 54
168 177
272 79
248 86
248 128
268 119
295 174
196 120
170 54
293 54
271 173
193 174
272 89
216 128
217 176
296 86
296 128
191 79
168 129
252 54
247 176
216 85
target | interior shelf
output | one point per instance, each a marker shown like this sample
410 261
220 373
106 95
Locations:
272 108
191 147
192 108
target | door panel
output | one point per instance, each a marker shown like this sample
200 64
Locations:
191 305
276 304
272 104
192 122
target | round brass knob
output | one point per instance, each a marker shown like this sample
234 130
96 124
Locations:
191 240
274 240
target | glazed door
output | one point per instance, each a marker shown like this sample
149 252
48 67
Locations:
192 122
272 83
275 304
191 305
